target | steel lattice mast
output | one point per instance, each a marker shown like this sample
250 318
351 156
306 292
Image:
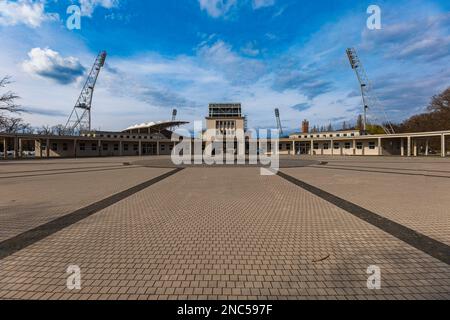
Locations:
174 115
80 118
370 101
279 125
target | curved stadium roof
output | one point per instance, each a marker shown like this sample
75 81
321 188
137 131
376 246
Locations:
157 126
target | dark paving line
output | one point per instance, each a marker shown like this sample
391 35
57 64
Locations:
19 242
403 161
61 169
432 247
378 168
382 172
68 172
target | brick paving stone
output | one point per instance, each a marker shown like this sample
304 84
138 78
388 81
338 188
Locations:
223 233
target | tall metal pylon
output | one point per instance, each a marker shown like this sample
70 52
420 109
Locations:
279 125
174 115
80 118
371 103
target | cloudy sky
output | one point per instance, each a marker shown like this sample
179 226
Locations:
266 54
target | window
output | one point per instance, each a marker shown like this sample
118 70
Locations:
348 145
116 147
326 146
82 146
94 147
105 147
136 147
316 146
359 145
125 147
65 147
163 147
337 145
55 147
372 145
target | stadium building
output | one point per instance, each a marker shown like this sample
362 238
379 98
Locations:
223 120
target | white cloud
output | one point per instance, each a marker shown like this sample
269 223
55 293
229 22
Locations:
88 6
27 12
250 49
257 4
47 63
217 8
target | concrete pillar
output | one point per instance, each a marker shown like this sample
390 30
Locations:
312 148
20 148
409 147
354 147
5 149
99 148
48 148
16 152
443 150
293 148
415 147
40 149
120 148
427 148
75 148
140 148
380 147
158 148
402 147
332 147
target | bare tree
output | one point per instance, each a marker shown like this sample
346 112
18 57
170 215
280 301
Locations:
7 100
45 131
441 102
330 128
360 123
8 106
59 130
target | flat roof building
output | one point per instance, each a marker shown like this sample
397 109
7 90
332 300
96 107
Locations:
224 120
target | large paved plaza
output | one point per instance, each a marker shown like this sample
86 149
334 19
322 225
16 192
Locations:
143 229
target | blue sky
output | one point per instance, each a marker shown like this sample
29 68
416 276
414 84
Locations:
266 54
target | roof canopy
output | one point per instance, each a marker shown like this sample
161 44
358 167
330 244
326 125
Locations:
157 126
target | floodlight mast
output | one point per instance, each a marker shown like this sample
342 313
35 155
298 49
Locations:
174 115
369 99
279 125
80 119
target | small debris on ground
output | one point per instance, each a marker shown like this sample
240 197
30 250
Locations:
323 259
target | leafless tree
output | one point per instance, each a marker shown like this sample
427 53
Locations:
8 99
45 131
8 107
59 130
